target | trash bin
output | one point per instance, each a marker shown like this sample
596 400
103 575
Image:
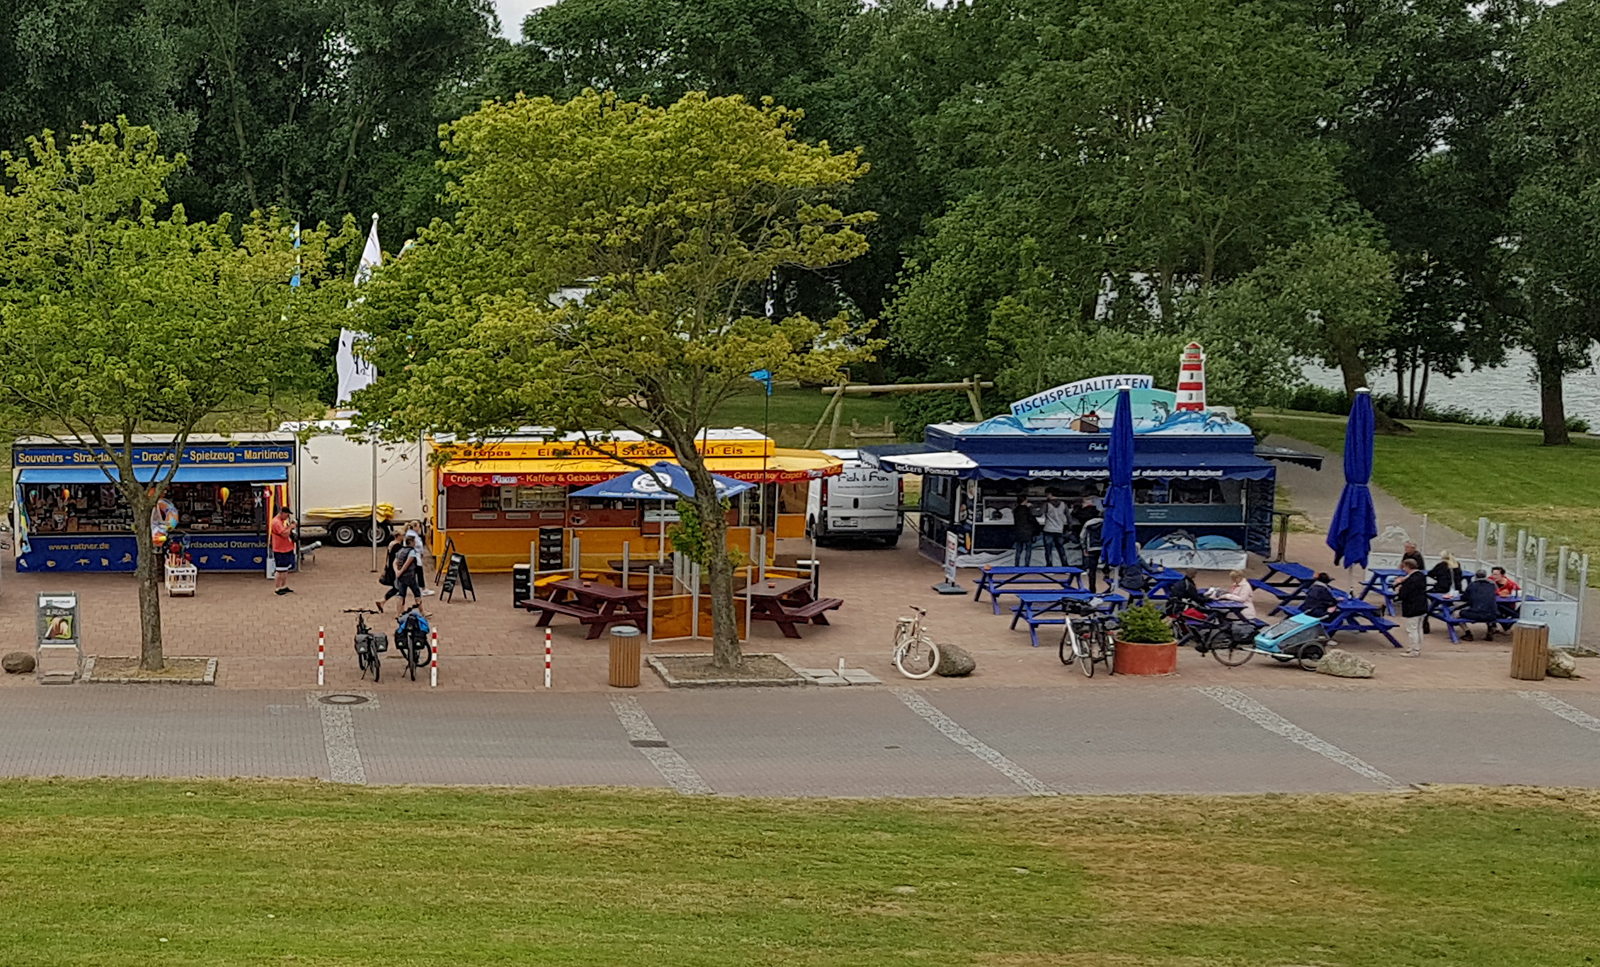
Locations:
1530 651
624 657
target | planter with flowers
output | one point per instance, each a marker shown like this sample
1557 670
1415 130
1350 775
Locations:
1144 642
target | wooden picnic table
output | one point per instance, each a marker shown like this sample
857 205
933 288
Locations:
1038 607
787 602
1011 578
593 603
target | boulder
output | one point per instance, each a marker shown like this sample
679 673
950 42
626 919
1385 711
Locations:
1562 664
954 662
17 663
1344 664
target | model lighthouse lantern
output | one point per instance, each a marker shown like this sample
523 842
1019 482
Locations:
1192 380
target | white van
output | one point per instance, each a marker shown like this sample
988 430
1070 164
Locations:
862 502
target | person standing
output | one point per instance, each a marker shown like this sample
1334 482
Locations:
1024 528
281 532
1056 515
1089 537
407 561
414 538
1413 597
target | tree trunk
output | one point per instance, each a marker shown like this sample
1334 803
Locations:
1552 404
148 572
725 650
1354 372
1422 394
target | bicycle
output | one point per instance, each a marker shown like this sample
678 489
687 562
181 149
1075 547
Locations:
411 638
370 645
1094 643
1214 633
915 653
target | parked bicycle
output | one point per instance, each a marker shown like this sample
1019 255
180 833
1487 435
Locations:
915 653
370 645
411 639
1087 640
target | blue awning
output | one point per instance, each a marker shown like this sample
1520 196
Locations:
93 475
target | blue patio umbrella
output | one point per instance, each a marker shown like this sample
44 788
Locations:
1355 523
645 485
1120 544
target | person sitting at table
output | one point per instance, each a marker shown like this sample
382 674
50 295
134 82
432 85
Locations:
1446 575
1502 582
1319 600
1410 553
1240 591
1480 603
1412 595
1024 528
1184 594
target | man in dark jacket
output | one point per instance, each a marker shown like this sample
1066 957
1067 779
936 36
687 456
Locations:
1089 537
1480 604
1413 597
1319 601
1024 528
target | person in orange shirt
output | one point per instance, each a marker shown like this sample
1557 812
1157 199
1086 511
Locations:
282 532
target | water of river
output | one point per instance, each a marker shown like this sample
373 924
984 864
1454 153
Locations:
1492 391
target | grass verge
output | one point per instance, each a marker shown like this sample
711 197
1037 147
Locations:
115 873
1456 473
794 413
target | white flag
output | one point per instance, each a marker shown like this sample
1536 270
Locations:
355 372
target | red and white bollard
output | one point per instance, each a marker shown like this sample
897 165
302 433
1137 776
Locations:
547 658
433 667
320 655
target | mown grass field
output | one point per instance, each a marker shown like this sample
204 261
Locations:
111 873
1456 473
795 411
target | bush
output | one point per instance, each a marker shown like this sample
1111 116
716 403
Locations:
1143 624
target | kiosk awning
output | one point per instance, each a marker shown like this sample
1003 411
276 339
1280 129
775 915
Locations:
1066 466
93 475
1286 455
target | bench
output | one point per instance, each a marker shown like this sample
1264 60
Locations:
812 612
551 609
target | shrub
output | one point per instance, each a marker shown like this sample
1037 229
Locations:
1143 624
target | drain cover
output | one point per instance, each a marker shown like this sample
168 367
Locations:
344 700
648 743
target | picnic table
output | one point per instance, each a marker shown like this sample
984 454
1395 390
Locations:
1040 607
787 602
1288 574
1010 579
1381 580
1447 609
1354 614
593 603
1161 582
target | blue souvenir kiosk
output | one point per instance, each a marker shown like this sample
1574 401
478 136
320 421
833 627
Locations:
1204 497
68 517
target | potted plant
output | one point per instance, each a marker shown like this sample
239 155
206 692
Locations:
1144 642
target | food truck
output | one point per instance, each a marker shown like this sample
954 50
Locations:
506 502
1203 496
68 516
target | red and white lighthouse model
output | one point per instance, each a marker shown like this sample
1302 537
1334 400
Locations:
1192 380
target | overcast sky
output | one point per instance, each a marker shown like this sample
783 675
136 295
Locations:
511 14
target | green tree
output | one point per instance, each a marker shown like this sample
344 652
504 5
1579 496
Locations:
676 216
1553 248
119 317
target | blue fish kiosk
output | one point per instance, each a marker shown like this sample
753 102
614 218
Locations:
1204 496
68 517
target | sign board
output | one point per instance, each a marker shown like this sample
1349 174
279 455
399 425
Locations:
1051 399
1561 617
952 547
458 574
59 636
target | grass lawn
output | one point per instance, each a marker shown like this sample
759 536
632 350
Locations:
110 873
795 412
1458 473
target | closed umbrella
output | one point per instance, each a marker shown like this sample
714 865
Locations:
647 484
1120 544
1355 522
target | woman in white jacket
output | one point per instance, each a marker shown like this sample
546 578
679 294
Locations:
1240 591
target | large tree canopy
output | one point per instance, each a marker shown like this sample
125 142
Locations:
121 316
675 217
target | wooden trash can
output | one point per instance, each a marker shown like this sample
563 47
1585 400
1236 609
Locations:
1530 651
625 660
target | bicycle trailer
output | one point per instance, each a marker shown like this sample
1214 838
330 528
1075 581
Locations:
1287 637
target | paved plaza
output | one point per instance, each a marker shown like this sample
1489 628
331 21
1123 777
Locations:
1022 724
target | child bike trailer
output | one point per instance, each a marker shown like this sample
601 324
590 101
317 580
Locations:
1297 638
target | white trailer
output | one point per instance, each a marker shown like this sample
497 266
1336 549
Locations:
333 493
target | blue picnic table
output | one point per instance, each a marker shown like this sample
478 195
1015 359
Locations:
1354 614
1049 607
1288 574
1381 580
1447 609
1012 579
